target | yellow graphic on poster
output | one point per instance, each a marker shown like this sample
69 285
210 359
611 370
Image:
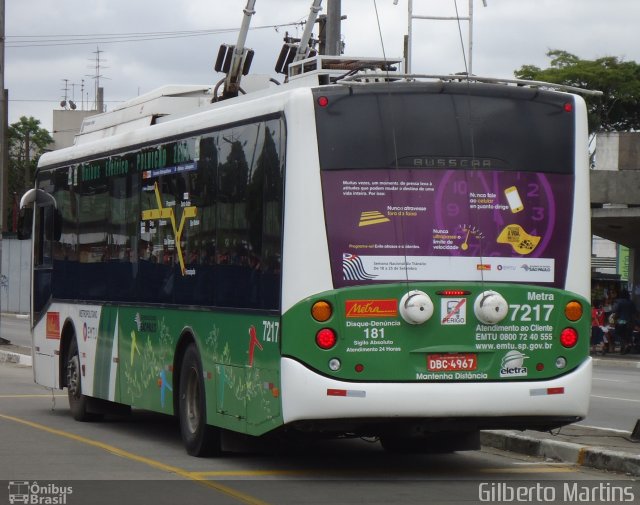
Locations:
368 218
520 240
167 213
513 199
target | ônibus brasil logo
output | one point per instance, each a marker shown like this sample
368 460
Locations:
513 365
32 493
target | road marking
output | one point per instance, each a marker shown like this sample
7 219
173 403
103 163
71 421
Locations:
608 380
602 428
250 473
244 498
553 469
615 398
33 396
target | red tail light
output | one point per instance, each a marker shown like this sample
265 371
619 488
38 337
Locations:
569 337
326 338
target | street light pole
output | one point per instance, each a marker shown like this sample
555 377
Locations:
3 138
334 15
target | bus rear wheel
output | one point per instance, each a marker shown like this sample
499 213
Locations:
199 438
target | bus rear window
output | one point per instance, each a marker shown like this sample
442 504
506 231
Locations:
482 188
446 126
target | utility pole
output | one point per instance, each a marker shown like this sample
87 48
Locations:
333 43
3 138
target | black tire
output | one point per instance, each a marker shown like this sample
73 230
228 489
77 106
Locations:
78 403
199 439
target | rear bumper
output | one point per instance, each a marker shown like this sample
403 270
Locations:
308 396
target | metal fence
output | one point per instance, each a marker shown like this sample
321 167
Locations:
15 276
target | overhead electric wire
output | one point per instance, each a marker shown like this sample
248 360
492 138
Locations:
22 41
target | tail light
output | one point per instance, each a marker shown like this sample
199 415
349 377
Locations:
573 310
326 338
569 337
321 311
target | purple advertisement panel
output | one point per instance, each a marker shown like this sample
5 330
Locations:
428 224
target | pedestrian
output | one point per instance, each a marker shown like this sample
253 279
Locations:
597 326
624 311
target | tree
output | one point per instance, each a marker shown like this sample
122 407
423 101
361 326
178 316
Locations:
618 109
26 142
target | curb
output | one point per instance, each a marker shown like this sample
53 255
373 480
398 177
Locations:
581 455
14 314
16 358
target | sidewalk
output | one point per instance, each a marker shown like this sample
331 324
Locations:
601 449
597 448
17 354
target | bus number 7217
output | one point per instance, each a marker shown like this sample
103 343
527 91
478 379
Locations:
528 313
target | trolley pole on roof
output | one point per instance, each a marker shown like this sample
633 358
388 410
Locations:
303 49
232 81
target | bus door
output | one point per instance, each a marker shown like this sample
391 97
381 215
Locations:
40 207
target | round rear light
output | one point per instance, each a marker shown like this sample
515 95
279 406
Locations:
323 101
573 310
569 337
568 107
326 338
321 311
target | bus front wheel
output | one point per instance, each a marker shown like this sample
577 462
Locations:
199 438
78 403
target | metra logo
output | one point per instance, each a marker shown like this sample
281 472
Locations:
368 218
512 365
371 308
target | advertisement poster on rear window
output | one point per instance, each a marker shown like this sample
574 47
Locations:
398 225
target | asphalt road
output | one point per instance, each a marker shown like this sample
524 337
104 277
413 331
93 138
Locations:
15 329
140 459
615 397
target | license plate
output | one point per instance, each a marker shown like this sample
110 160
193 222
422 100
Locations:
451 362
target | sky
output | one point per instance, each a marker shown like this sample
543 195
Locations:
143 45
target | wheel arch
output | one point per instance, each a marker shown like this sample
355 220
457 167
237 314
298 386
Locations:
66 337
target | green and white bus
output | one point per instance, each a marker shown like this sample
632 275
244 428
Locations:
393 256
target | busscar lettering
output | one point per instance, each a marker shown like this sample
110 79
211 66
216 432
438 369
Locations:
451 163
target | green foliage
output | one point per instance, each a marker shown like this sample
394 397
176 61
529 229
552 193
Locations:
618 109
26 143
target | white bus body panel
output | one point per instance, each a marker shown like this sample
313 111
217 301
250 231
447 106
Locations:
305 250
579 268
85 320
305 397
